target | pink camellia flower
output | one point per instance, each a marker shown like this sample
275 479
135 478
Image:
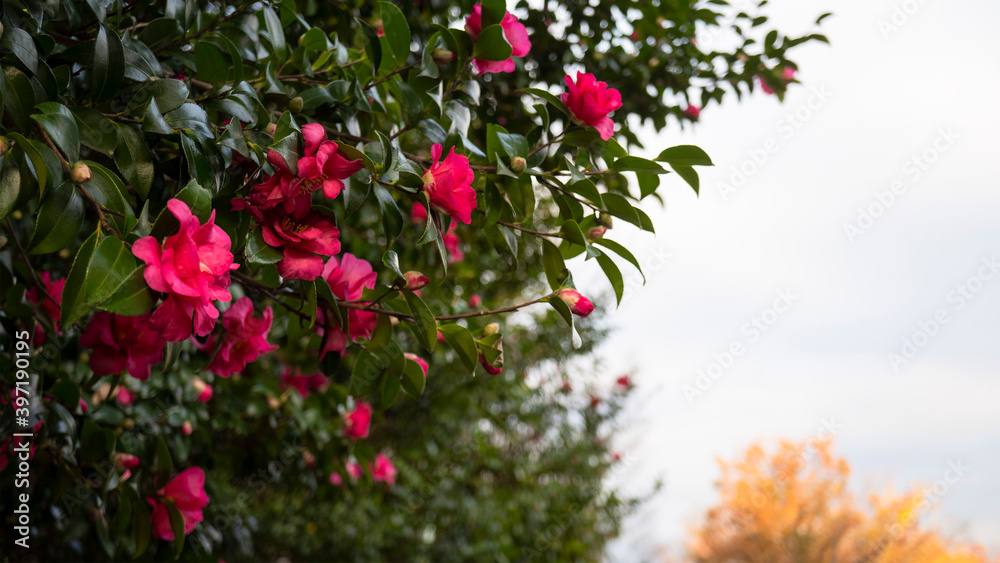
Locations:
204 390
304 384
322 166
122 343
35 297
692 112
451 242
358 421
125 397
787 75
577 303
490 368
84 406
415 280
354 470
418 213
336 479
305 236
448 182
125 463
348 278
383 470
591 101
624 382
513 31
192 268
420 361
245 339
187 490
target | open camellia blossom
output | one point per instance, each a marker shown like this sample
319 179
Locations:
35 297
192 268
122 343
245 339
304 235
591 101
513 31
383 470
187 490
348 278
358 421
303 384
448 183
577 303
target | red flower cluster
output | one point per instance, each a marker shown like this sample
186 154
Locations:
304 384
245 339
282 204
122 343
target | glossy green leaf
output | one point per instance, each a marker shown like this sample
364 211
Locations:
210 63
492 45
426 325
462 341
614 275
108 68
413 379
59 219
60 124
18 97
555 267
96 131
110 266
134 159
132 298
685 155
73 305
258 251
275 31
397 31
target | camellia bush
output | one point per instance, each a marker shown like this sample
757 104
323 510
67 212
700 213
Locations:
293 278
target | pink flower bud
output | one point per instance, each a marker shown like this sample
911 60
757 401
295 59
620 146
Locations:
692 112
576 302
597 232
625 382
442 56
475 301
336 479
186 428
491 329
203 390
518 164
83 405
415 280
271 129
125 397
80 173
605 220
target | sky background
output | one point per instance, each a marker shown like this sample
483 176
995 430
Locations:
868 105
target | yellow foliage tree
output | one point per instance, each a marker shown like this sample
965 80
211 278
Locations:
794 507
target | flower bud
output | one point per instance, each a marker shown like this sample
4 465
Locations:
65 254
491 329
186 428
83 405
442 56
295 105
16 215
576 302
309 458
415 280
4 145
273 403
605 220
624 382
475 301
490 368
80 173
518 164
128 424
271 129
597 232
203 390
124 461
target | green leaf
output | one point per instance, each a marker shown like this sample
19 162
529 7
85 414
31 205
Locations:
365 375
18 97
275 31
134 159
58 221
572 232
492 45
462 341
176 525
685 155
390 390
614 275
210 63
163 465
108 190
169 94
413 379
396 30
621 208
142 529
588 190
391 261
426 325
493 11
60 124
392 218
108 69
111 265
373 47
152 120
96 131
19 42
621 251
548 97
73 298
258 251
555 267
132 298
560 306
647 184
33 151
636 164
191 119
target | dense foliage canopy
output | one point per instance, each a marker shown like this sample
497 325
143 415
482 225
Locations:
274 273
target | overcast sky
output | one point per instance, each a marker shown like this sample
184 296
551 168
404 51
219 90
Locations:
817 297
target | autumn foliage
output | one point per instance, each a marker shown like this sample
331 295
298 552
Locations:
794 506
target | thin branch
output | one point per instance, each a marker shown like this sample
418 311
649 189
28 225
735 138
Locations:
393 73
529 231
34 276
212 25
